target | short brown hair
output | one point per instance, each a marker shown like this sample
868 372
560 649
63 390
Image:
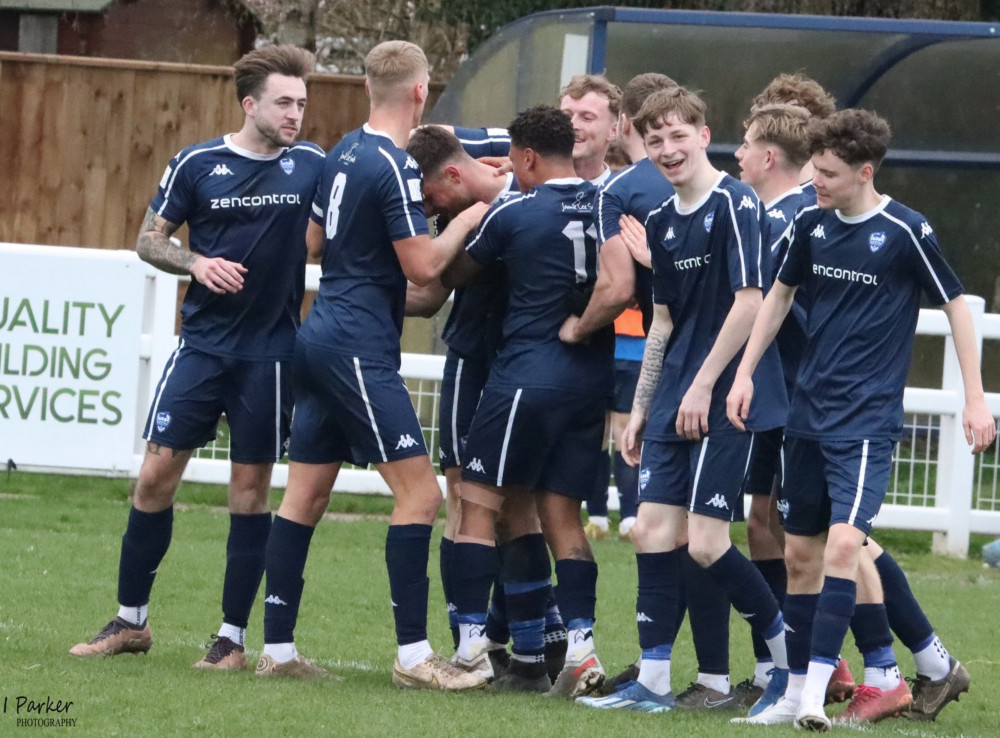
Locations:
432 147
797 89
637 89
394 61
253 69
854 136
785 126
677 101
581 84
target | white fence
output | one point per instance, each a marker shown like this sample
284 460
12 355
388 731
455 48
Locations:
937 484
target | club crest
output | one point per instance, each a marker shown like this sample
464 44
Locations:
709 219
162 421
876 241
287 165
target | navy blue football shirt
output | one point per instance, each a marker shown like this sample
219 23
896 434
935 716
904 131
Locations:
701 255
368 197
484 141
252 209
635 191
863 276
546 239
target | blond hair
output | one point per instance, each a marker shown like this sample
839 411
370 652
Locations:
785 126
581 84
392 62
797 89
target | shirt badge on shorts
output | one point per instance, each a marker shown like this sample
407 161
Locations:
162 421
287 165
644 477
876 241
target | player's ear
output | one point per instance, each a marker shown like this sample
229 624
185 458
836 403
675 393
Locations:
705 137
451 173
249 105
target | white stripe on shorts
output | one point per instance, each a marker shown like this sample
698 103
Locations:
277 410
454 413
861 482
368 405
506 437
171 363
697 471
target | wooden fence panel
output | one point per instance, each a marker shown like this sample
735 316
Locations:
85 141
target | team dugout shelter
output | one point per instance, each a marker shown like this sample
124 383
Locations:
936 82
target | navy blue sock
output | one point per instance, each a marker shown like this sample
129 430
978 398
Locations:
656 604
144 544
284 561
627 481
681 592
407 548
746 589
833 617
597 503
576 591
870 627
497 629
527 579
445 563
244 565
776 575
906 617
799 611
708 608
471 581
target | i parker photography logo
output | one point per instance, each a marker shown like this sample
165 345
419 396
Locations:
38 711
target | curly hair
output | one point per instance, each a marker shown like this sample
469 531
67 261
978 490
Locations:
545 129
853 135
797 89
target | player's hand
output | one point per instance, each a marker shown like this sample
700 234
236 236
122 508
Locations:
218 274
472 215
634 235
738 401
692 415
501 164
631 449
568 333
980 427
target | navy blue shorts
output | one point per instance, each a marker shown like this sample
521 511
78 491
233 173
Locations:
706 476
351 409
765 466
626 379
827 482
461 388
197 388
541 439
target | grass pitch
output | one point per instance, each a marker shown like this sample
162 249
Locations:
59 544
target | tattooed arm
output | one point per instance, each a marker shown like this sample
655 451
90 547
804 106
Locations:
155 247
649 378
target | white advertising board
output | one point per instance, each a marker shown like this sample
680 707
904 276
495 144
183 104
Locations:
70 339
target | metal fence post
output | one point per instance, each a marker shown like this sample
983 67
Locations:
956 465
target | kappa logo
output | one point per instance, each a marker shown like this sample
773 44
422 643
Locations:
274 600
876 241
405 441
746 615
818 232
452 607
747 203
642 617
925 229
871 520
220 169
783 508
411 163
287 165
162 421
644 476
476 465
709 219
718 501
777 214
670 234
